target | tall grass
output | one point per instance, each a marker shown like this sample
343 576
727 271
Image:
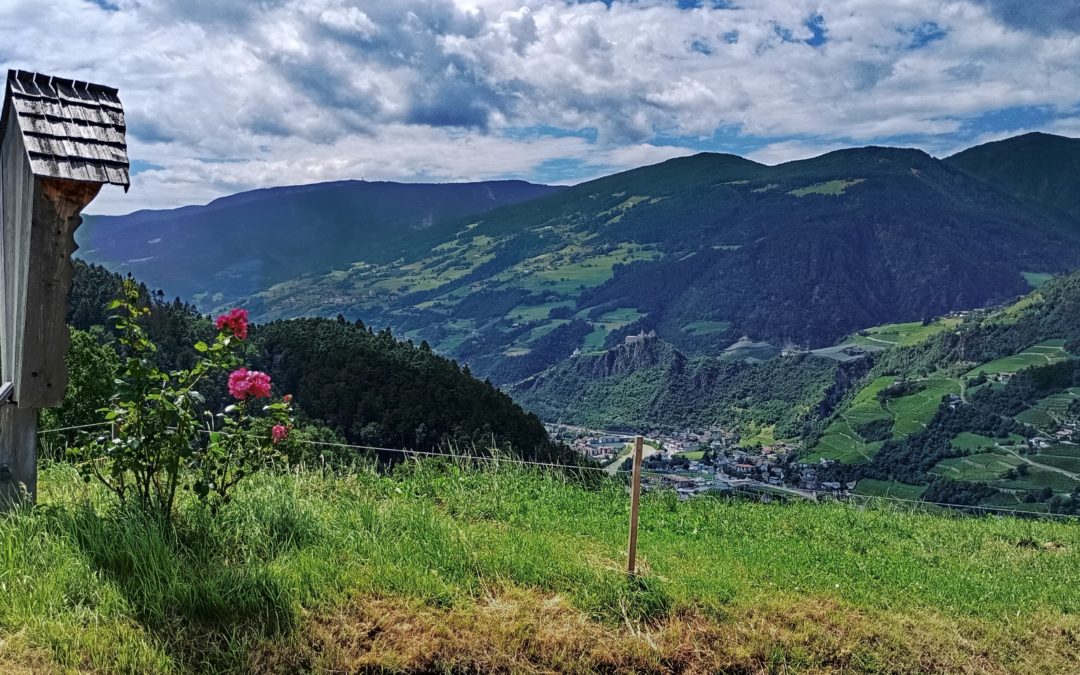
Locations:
88 585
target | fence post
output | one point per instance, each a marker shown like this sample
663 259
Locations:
635 498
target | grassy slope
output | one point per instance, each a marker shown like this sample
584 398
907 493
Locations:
511 571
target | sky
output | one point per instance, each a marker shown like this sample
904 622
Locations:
223 96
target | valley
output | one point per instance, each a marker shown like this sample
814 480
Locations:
825 306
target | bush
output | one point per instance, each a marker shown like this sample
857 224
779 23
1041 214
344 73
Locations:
163 437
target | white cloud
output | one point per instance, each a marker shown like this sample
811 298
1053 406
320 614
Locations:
225 96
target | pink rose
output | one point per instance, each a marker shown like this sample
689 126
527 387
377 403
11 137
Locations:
245 384
236 321
278 433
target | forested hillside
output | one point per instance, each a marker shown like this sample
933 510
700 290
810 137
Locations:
1040 169
650 384
364 387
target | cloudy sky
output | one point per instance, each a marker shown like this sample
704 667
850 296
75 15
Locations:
228 95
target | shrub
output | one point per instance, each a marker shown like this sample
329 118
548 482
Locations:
164 438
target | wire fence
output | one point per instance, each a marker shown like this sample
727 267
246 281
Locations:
758 493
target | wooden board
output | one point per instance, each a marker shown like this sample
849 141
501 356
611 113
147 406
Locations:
18 454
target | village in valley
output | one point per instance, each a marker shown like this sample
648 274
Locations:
714 461
708 461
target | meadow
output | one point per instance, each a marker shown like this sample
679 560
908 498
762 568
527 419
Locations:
438 568
902 334
1044 353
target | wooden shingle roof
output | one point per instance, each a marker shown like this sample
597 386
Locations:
72 130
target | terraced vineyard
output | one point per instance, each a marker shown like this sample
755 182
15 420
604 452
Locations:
1044 353
1049 411
860 430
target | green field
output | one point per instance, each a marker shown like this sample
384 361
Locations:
986 466
1038 478
1037 279
912 413
755 435
1069 463
909 414
969 441
888 488
693 455
560 274
840 441
903 334
442 569
1049 411
613 320
1050 351
705 327
1036 417
832 187
530 313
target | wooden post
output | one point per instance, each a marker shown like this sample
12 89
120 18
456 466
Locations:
635 499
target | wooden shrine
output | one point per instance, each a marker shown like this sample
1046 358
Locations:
60 141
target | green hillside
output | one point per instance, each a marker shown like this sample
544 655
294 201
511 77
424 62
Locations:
650 384
988 405
439 569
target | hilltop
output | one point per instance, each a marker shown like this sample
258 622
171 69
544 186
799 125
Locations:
1041 169
443 569
702 250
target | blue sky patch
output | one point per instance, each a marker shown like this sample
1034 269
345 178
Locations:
818 32
924 34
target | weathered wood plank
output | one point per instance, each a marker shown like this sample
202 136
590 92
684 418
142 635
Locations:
44 337
16 196
18 455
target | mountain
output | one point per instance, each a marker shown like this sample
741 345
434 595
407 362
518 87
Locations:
238 245
703 250
1040 169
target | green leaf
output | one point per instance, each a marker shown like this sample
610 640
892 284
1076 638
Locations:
201 346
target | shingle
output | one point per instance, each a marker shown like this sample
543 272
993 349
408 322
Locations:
72 129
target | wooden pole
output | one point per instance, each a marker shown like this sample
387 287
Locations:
635 499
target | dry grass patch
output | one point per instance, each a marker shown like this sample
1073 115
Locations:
518 631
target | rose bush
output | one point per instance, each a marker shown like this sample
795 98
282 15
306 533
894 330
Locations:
164 438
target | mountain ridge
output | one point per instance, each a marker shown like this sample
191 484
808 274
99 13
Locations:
701 249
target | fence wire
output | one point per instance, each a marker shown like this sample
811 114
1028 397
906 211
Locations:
849 498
